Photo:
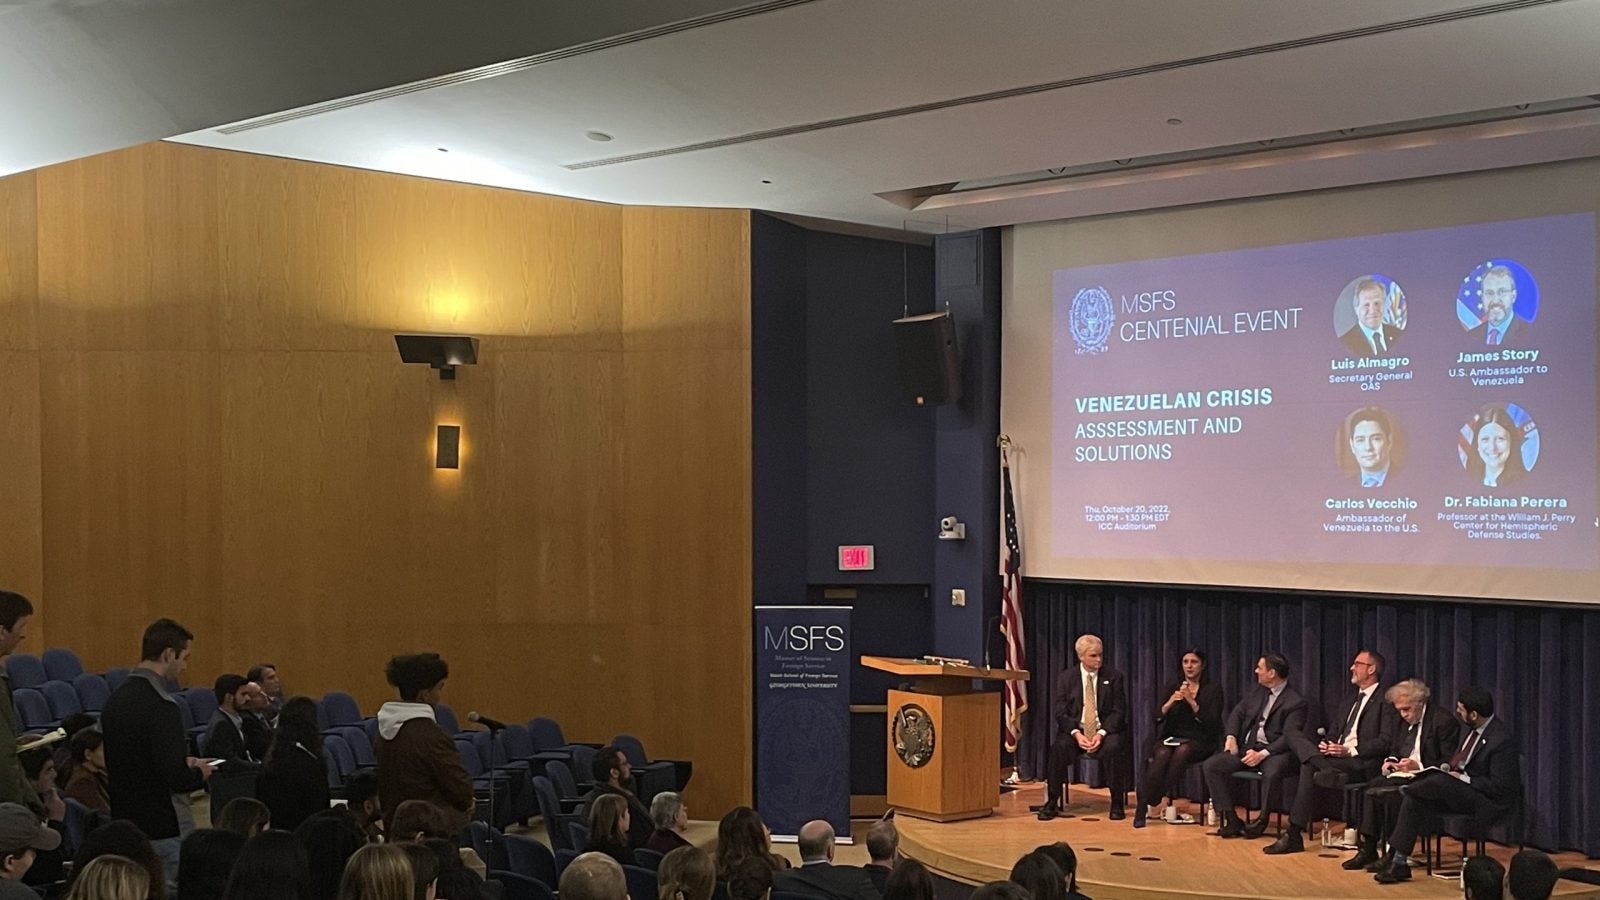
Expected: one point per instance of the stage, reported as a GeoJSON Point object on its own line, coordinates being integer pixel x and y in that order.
{"type": "Point", "coordinates": [1117, 861]}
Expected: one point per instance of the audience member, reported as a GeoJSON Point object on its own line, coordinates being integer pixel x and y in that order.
{"type": "Point", "coordinates": [416, 759]}
{"type": "Point", "coordinates": [456, 880]}
{"type": "Point", "coordinates": [224, 738]}
{"type": "Point", "coordinates": [419, 820]}
{"type": "Point", "coordinates": [244, 816]}
{"type": "Point", "coordinates": [330, 837]}
{"type": "Point", "coordinates": [148, 764]}
{"type": "Point", "coordinates": [1067, 861]}
{"type": "Point", "coordinates": [120, 837]}
{"type": "Point", "coordinates": [1425, 739]}
{"type": "Point", "coordinates": [593, 876]}
{"type": "Point", "coordinates": [424, 871]}
{"type": "Point", "coordinates": [1091, 715]}
{"type": "Point", "coordinates": [1037, 872]}
{"type": "Point", "coordinates": [111, 878]}
{"type": "Point", "coordinates": [1352, 751]}
{"type": "Point", "coordinates": [687, 873]}
{"type": "Point", "coordinates": [742, 835]}
{"type": "Point", "coordinates": [1482, 878]}
{"type": "Point", "coordinates": [1256, 737]}
{"type": "Point", "coordinates": [294, 781]}
{"type": "Point", "coordinates": [272, 866]}
{"type": "Point", "coordinates": [378, 872]}
{"type": "Point", "coordinates": [22, 838]}
{"type": "Point", "coordinates": [613, 774]}
{"type": "Point", "coordinates": [266, 675]}
{"type": "Point", "coordinates": [39, 766]}
{"type": "Point", "coordinates": [1188, 729]}
{"type": "Point", "coordinates": [909, 881]}
{"type": "Point", "coordinates": [608, 829]}
{"type": "Point", "coordinates": [1532, 876]}
{"type": "Point", "coordinates": [259, 720]}
{"type": "Point", "coordinates": [671, 819]}
{"type": "Point", "coordinates": [1000, 890]}
{"type": "Point", "coordinates": [361, 796]}
{"type": "Point", "coordinates": [1483, 778]}
{"type": "Point", "coordinates": [817, 875]}
{"type": "Point", "coordinates": [206, 860]}
{"type": "Point", "coordinates": [71, 725]}
{"type": "Point", "coordinates": [15, 613]}
{"type": "Point", "coordinates": [86, 775]}
{"type": "Point", "coordinates": [883, 851]}
{"type": "Point", "coordinates": [749, 879]}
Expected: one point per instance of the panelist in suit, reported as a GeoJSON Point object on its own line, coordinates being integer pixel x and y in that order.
{"type": "Point", "coordinates": [1257, 737]}
{"type": "Point", "coordinates": [1188, 729]}
{"type": "Point", "coordinates": [1500, 326]}
{"type": "Point", "coordinates": [817, 875]}
{"type": "Point", "coordinates": [1483, 778]}
{"type": "Point", "coordinates": [1350, 752]}
{"type": "Point", "coordinates": [1371, 336]}
{"type": "Point", "coordinates": [1424, 736]}
{"type": "Point", "coordinates": [1091, 720]}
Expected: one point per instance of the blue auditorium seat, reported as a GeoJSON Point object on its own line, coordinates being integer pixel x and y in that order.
{"type": "Point", "coordinates": [62, 698]}
{"type": "Point", "coordinates": [92, 692]}
{"type": "Point", "coordinates": [25, 671]}
{"type": "Point", "coordinates": [61, 664]}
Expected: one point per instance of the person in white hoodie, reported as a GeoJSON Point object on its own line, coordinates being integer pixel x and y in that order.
{"type": "Point", "coordinates": [416, 759]}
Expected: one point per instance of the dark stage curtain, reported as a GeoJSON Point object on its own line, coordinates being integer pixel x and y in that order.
{"type": "Point", "coordinates": [1542, 665]}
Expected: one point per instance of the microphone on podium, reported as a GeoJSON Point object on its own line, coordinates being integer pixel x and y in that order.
{"type": "Point", "coordinates": [485, 721]}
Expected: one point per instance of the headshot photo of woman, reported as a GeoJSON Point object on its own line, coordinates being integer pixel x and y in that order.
{"type": "Point", "coordinates": [1499, 450]}
{"type": "Point", "coordinates": [1370, 447]}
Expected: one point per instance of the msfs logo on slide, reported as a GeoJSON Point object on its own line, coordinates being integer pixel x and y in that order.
{"type": "Point", "coordinates": [1091, 318]}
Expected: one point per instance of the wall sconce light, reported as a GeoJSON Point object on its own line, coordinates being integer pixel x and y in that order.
{"type": "Point", "coordinates": [441, 351]}
{"type": "Point", "coordinates": [447, 452]}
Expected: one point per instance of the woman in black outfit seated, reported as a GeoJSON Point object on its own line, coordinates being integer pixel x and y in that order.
{"type": "Point", "coordinates": [1188, 729]}
{"type": "Point", "coordinates": [608, 828]}
{"type": "Point", "coordinates": [294, 781]}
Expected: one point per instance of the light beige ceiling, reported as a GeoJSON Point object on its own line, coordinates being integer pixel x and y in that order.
{"type": "Point", "coordinates": [866, 110]}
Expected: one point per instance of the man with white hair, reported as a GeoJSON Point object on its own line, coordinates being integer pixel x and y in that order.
{"type": "Point", "coordinates": [594, 876]}
{"type": "Point", "coordinates": [1424, 735]}
{"type": "Point", "coordinates": [1091, 720]}
{"type": "Point", "coordinates": [817, 875]}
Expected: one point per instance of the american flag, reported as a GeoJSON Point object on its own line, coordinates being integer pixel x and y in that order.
{"type": "Point", "coordinates": [1016, 695]}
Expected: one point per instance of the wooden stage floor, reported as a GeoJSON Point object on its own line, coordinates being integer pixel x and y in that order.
{"type": "Point", "coordinates": [1117, 861]}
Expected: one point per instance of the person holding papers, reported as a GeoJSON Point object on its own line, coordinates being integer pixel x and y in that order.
{"type": "Point", "coordinates": [1425, 736]}
{"type": "Point", "coordinates": [1482, 778]}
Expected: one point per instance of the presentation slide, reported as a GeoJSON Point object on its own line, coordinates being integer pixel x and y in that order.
{"type": "Point", "coordinates": [1408, 411]}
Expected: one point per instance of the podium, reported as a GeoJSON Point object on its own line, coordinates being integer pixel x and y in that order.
{"type": "Point", "coordinates": [944, 739]}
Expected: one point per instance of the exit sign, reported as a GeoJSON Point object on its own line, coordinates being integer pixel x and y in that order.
{"type": "Point", "coordinates": [855, 558]}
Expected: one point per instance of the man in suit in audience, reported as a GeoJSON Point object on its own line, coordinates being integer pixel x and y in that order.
{"type": "Point", "coordinates": [1257, 737]}
{"type": "Point", "coordinates": [15, 786]}
{"type": "Point", "coordinates": [1350, 752]}
{"type": "Point", "coordinates": [613, 774]}
{"type": "Point", "coordinates": [225, 737]}
{"type": "Point", "coordinates": [1091, 720]}
{"type": "Point", "coordinates": [817, 875]}
{"type": "Point", "coordinates": [266, 675]}
{"type": "Point", "coordinates": [148, 766]}
{"type": "Point", "coordinates": [1483, 778]}
{"type": "Point", "coordinates": [1424, 736]}
{"type": "Point", "coordinates": [257, 730]}
{"type": "Point", "coordinates": [883, 848]}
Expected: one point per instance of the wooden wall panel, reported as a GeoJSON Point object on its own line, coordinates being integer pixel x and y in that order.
{"type": "Point", "coordinates": [19, 263]}
{"type": "Point", "coordinates": [21, 526]}
{"type": "Point", "coordinates": [226, 435]}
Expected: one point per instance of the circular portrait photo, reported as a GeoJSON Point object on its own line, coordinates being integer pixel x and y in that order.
{"type": "Point", "coordinates": [1496, 302]}
{"type": "Point", "coordinates": [1369, 316]}
{"type": "Point", "coordinates": [1371, 447]}
{"type": "Point", "coordinates": [1499, 445]}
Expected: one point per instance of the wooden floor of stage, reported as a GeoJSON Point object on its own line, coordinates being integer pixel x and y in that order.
{"type": "Point", "coordinates": [1117, 861]}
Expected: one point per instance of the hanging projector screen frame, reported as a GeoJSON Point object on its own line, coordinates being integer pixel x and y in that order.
{"type": "Point", "coordinates": [1033, 253]}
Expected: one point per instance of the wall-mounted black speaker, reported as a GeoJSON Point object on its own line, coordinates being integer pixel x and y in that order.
{"type": "Point", "coordinates": [930, 361]}
{"type": "Point", "coordinates": [442, 351]}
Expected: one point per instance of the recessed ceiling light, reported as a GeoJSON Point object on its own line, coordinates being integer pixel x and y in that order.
{"type": "Point", "coordinates": [444, 149]}
{"type": "Point", "coordinates": [1174, 121]}
{"type": "Point", "coordinates": [766, 181]}
{"type": "Point", "coordinates": [599, 137]}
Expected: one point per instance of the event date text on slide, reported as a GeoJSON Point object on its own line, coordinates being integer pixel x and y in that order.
{"type": "Point", "coordinates": [1124, 517]}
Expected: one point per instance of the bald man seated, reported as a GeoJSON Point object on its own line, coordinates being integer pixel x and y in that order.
{"type": "Point", "coordinates": [817, 875]}
{"type": "Point", "coordinates": [594, 876]}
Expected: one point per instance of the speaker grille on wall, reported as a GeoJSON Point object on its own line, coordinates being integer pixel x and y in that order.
{"type": "Point", "coordinates": [930, 362]}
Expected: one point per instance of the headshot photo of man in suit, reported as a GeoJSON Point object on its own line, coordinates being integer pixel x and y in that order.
{"type": "Point", "coordinates": [1257, 737]}
{"type": "Point", "coordinates": [1092, 719]}
{"type": "Point", "coordinates": [1370, 447]}
{"type": "Point", "coordinates": [1497, 301]}
{"type": "Point", "coordinates": [1380, 318]}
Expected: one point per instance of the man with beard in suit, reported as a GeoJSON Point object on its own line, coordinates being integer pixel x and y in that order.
{"type": "Point", "coordinates": [1091, 720]}
{"type": "Point", "coordinates": [1350, 752]}
{"type": "Point", "coordinates": [1257, 737]}
{"type": "Point", "coordinates": [1483, 778]}
{"type": "Point", "coordinates": [1500, 325]}
{"type": "Point", "coordinates": [1425, 735]}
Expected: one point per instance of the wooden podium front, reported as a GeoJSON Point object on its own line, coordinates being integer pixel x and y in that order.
{"type": "Point", "coordinates": [944, 739]}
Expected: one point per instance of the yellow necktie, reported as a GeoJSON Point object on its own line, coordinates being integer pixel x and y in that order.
{"type": "Point", "coordinates": [1091, 707]}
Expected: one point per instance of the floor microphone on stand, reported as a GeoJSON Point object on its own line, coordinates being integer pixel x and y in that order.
{"type": "Point", "coordinates": [485, 721]}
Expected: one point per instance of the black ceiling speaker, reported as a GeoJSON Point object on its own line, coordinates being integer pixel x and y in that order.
{"type": "Point", "coordinates": [930, 362]}
{"type": "Point", "coordinates": [441, 351]}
